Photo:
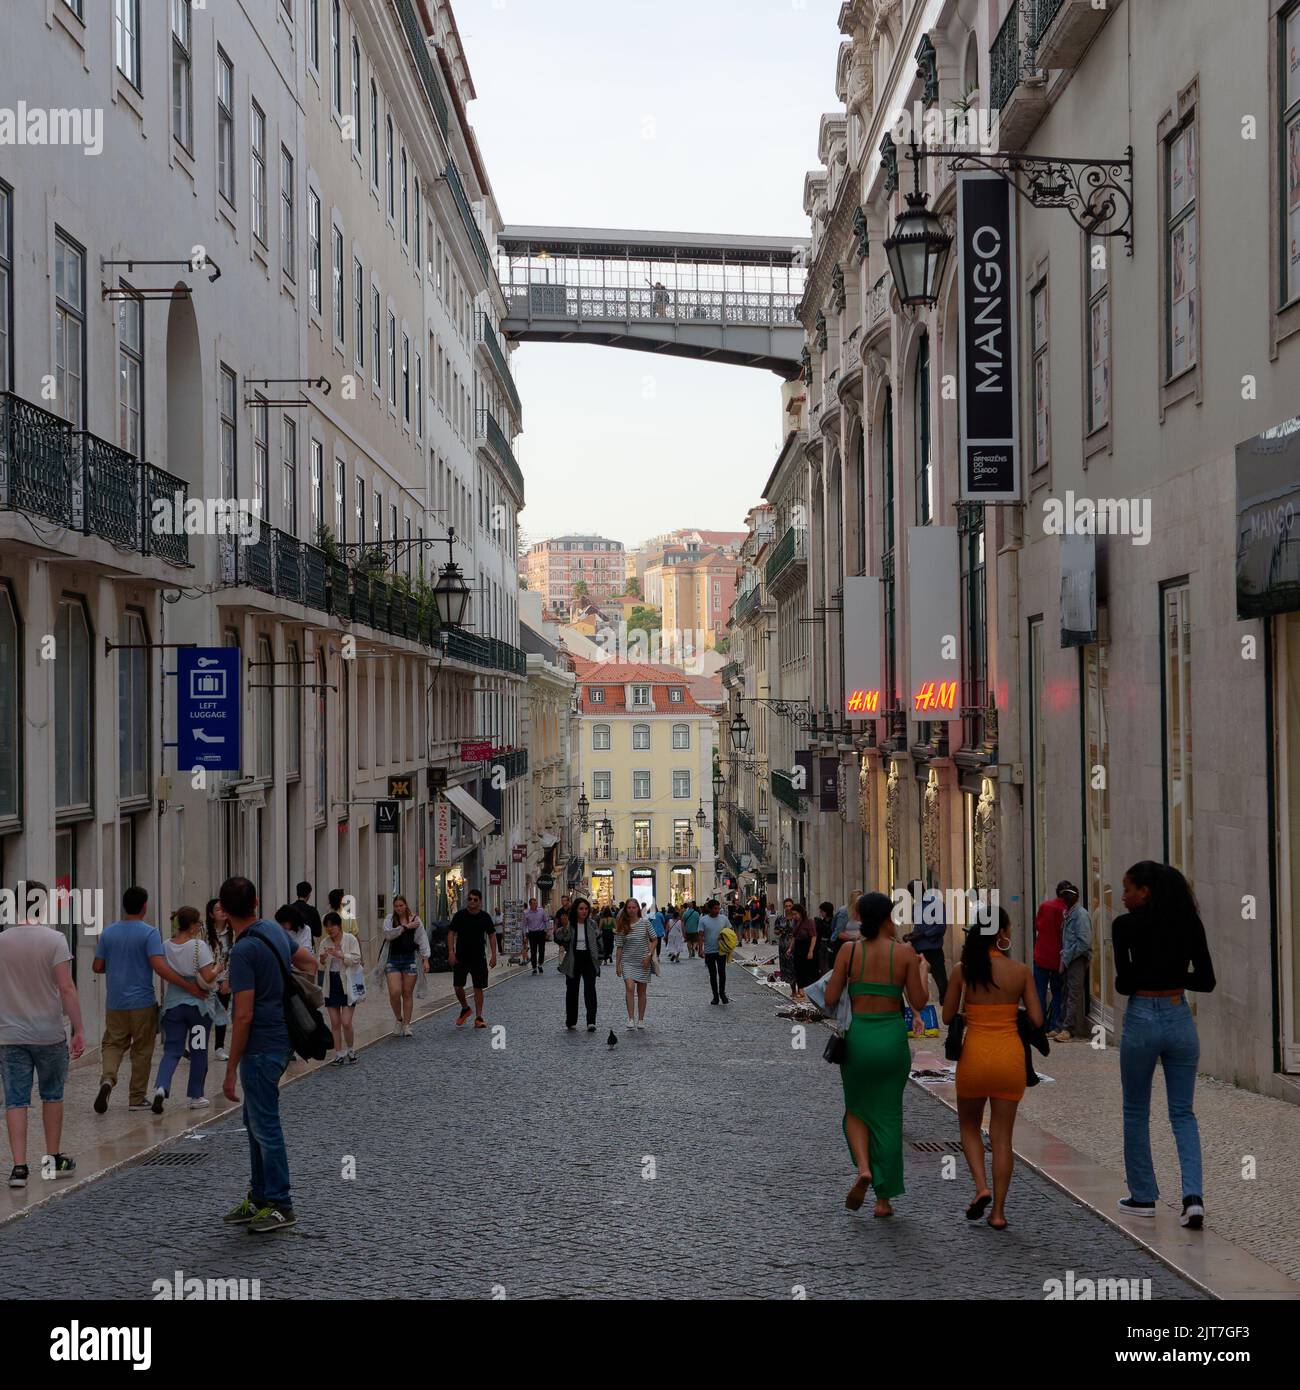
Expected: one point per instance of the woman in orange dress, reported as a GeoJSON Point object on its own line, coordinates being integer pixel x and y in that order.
{"type": "Point", "coordinates": [992, 1065]}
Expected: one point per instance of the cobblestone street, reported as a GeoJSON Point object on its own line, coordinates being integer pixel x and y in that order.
{"type": "Point", "coordinates": [526, 1168]}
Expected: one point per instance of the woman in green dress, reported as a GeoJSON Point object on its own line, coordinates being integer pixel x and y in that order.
{"type": "Point", "coordinates": [876, 970]}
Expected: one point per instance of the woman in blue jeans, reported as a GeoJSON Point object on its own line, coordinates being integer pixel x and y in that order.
{"type": "Point", "coordinates": [186, 1023]}
{"type": "Point", "coordinates": [1160, 953]}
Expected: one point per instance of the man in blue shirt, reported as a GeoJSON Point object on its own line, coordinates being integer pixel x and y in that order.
{"type": "Point", "coordinates": [260, 1051]}
{"type": "Point", "coordinates": [660, 929]}
{"type": "Point", "coordinates": [712, 923]}
{"type": "Point", "coordinates": [130, 953]}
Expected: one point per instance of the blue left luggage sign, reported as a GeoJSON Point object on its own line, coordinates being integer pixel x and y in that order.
{"type": "Point", "coordinates": [207, 719]}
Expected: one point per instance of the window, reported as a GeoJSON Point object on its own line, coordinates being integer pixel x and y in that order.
{"type": "Point", "coordinates": [970, 528]}
{"type": "Point", "coordinates": [392, 358]}
{"type": "Point", "coordinates": [888, 584]}
{"type": "Point", "coordinates": [340, 501]}
{"type": "Point", "coordinates": [417, 223]}
{"type": "Point", "coordinates": [1289, 150]}
{"type": "Point", "coordinates": [1176, 684]}
{"type": "Point", "coordinates": [682, 836]}
{"type": "Point", "coordinates": [11, 706]}
{"type": "Point", "coordinates": [406, 378]}
{"type": "Point", "coordinates": [375, 331]}
{"type": "Point", "coordinates": [419, 396]}
{"type": "Point", "coordinates": [70, 329]}
{"type": "Point", "coordinates": [313, 250]}
{"type": "Point", "coordinates": [261, 459]}
{"type": "Point", "coordinates": [377, 515]}
{"type": "Point", "coordinates": [597, 695]}
{"type": "Point", "coordinates": [126, 39]}
{"type": "Point", "coordinates": [1097, 327]}
{"type": "Point", "coordinates": [921, 418]}
{"type": "Point", "coordinates": [293, 708]}
{"type": "Point", "coordinates": [6, 288]}
{"type": "Point", "coordinates": [288, 236]}
{"type": "Point", "coordinates": [641, 837]}
{"type": "Point", "coordinates": [73, 706]}
{"type": "Point", "coordinates": [133, 711]}
{"type": "Point", "coordinates": [264, 709]}
{"type": "Point", "coordinates": [405, 199]}
{"type": "Point", "coordinates": [313, 33]}
{"type": "Point", "coordinates": [356, 98]}
{"type": "Point", "coordinates": [374, 134]}
{"type": "Point", "coordinates": [361, 509]}
{"type": "Point", "coordinates": [675, 695]}
{"type": "Point", "coordinates": [225, 128]}
{"type": "Point", "coordinates": [681, 785]}
{"type": "Point", "coordinates": [602, 786]}
{"type": "Point", "coordinates": [359, 308]}
{"type": "Point", "coordinates": [317, 488]}
{"type": "Point", "coordinates": [75, 7]}
{"type": "Point", "coordinates": [389, 182]}
{"type": "Point", "coordinates": [1037, 762]}
{"type": "Point", "coordinates": [640, 786]}
{"type": "Point", "coordinates": [229, 433]}
{"type": "Point", "coordinates": [640, 694]}
{"type": "Point", "coordinates": [182, 75]}
{"type": "Point", "coordinates": [600, 738]}
{"type": "Point", "coordinates": [336, 57]}
{"type": "Point", "coordinates": [681, 735]}
{"type": "Point", "coordinates": [1041, 382]}
{"type": "Point", "coordinates": [130, 376]}
{"type": "Point", "coordinates": [336, 265]}
{"type": "Point", "coordinates": [322, 741]}
{"type": "Point", "coordinates": [641, 737]}
{"type": "Point", "coordinates": [257, 143]}
{"type": "Point", "coordinates": [1181, 184]}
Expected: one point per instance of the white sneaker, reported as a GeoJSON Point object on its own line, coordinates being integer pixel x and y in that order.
{"type": "Point", "coordinates": [222, 1055]}
{"type": "Point", "coordinates": [642, 1024]}
{"type": "Point", "coordinates": [200, 1103]}
{"type": "Point", "coordinates": [408, 1031]}
{"type": "Point", "coordinates": [397, 1028]}
{"type": "Point", "coordinates": [631, 1025]}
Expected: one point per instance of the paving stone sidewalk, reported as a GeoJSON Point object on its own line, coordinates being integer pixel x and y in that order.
{"type": "Point", "coordinates": [699, 1158]}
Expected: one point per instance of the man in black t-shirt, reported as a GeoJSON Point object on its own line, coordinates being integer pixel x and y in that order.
{"type": "Point", "coordinates": [307, 912]}
{"type": "Point", "coordinates": [471, 933]}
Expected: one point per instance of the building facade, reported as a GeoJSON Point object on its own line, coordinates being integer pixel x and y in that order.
{"type": "Point", "coordinates": [645, 762]}
{"type": "Point", "coordinates": [312, 159]}
{"type": "Point", "coordinates": [552, 567]}
{"type": "Point", "coordinates": [1162, 726]}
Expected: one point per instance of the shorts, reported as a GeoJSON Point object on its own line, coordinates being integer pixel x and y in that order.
{"type": "Point", "coordinates": [474, 969]}
{"type": "Point", "coordinates": [337, 997]}
{"type": "Point", "coordinates": [18, 1061]}
{"type": "Point", "coordinates": [400, 967]}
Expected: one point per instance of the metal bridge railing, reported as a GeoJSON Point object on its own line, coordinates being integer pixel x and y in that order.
{"type": "Point", "coordinates": [748, 308]}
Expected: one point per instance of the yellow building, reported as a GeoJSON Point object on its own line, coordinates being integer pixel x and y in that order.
{"type": "Point", "coordinates": [646, 764]}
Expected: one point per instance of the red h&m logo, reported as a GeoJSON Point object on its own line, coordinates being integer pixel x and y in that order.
{"type": "Point", "coordinates": [863, 702]}
{"type": "Point", "coordinates": [935, 695]}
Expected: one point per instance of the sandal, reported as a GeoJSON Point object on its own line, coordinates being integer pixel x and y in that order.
{"type": "Point", "coordinates": [977, 1207]}
{"type": "Point", "coordinates": [857, 1194]}
{"type": "Point", "coordinates": [464, 1014]}
{"type": "Point", "coordinates": [480, 1023]}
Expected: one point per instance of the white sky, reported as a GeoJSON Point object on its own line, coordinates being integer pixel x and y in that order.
{"type": "Point", "coordinates": [674, 115]}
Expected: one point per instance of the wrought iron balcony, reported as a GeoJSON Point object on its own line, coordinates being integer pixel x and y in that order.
{"type": "Point", "coordinates": [789, 557]}
{"type": "Point", "coordinates": [744, 820]}
{"type": "Point", "coordinates": [783, 789]}
{"type": "Point", "coordinates": [878, 301]}
{"type": "Point", "coordinates": [1004, 59]}
{"type": "Point", "coordinates": [643, 854]}
{"type": "Point", "coordinates": [472, 229]}
{"type": "Point", "coordinates": [748, 604]}
{"type": "Point", "coordinates": [487, 336]}
{"type": "Point", "coordinates": [489, 652]}
{"type": "Point", "coordinates": [604, 854]}
{"type": "Point", "coordinates": [419, 45]}
{"type": "Point", "coordinates": [84, 483]}
{"type": "Point", "coordinates": [489, 430]}
{"type": "Point", "coordinates": [514, 763]}
{"type": "Point", "coordinates": [1041, 14]}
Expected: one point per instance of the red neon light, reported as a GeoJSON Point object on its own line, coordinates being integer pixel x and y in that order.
{"type": "Point", "coordinates": [863, 702]}
{"type": "Point", "coordinates": [935, 695]}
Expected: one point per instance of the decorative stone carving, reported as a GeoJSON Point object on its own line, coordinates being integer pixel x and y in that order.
{"type": "Point", "coordinates": [893, 819]}
{"type": "Point", "coordinates": [861, 79]}
{"type": "Point", "coordinates": [861, 232]}
{"type": "Point", "coordinates": [805, 358]}
{"type": "Point", "coordinates": [927, 69]}
{"type": "Point", "coordinates": [822, 336]}
{"type": "Point", "coordinates": [838, 292]}
{"type": "Point", "coordinates": [931, 855]}
{"type": "Point", "coordinates": [889, 158]}
{"type": "Point", "coordinates": [866, 805]}
{"type": "Point", "coordinates": [885, 11]}
{"type": "Point", "coordinates": [986, 837]}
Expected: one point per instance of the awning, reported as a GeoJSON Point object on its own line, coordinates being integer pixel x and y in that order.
{"type": "Point", "coordinates": [477, 816]}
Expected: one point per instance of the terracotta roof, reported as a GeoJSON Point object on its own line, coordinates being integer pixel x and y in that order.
{"type": "Point", "coordinates": [614, 676]}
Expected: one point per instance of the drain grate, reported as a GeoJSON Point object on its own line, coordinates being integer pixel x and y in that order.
{"type": "Point", "coordinates": [178, 1159]}
{"type": "Point", "coordinates": [939, 1146]}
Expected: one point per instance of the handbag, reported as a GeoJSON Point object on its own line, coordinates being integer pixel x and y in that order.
{"type": "Point", "coordinates": [835, 1049]}
{"type": "Point", "coordinates": [309, 1034]}
{"type": "Point", "coordinates": [956, 1032]}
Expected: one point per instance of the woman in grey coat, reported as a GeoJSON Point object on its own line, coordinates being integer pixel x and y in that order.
{"type": "Point", "coordinates": [633, 960]}
{"type": "Point", "coordinates": [580, 937]}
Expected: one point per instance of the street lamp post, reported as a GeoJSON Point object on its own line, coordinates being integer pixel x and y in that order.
{"type": "Point", "coordinates": [919, 247]}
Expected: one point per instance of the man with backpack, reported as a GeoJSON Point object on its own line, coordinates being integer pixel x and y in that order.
{"type": "Point", "coordinates": [260, 1050]}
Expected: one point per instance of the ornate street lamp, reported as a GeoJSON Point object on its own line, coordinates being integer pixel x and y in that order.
{"type": "Point", "coordinates": [919, 247]}
{"type": "Point", "coordinates": [700, 818]}
{"type": "Point", "coordinates": [740, 734]}
{"type": "Point", "coordinates": [583, 805]}
{"type": "Point", "coordinates": [719, 785]}
{"type": "Point", "coordinates": [451, 592]}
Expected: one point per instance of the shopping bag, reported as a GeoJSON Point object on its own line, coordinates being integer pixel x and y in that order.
{"type": "Point", "coordinates": [930, 1021]}
{"type": "Point", "coordinates": [816, 995]}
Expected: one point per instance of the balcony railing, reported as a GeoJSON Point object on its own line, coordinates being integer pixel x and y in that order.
{"type": "Point", "coordinates": [514, 763]}
{"type": "Point", "coordinates": [747, 604]}
{"type": "Point", "coordinates": [1005, 60]}
{"type": "Point", "coordinates": [82, 482]}
{"type": "Point", "coordinates": [790, 550]}
{"type": "Point", "coordinates": [488, 337]}
{"type": "Point", "coordinates": [415, 36]}
{"type": "Point", "coordinates": [491, 431]}
{"type": "Point", "coordinates": [472, 228]}
{"type": "Point", "coordinates": [643, 854]}
{"type": "Point", "coordinates": [745, 820]}
{"type": "Point", "coordinates": [1041, 14]}
{"type": "Point", "coordinates": [489, 652]}
{"type": "Point", "coordinates": [783, 789]}
{"type": "Point", "coordinates": [629, 303]}
{"type": "Point", "coordinates": [878, 301]}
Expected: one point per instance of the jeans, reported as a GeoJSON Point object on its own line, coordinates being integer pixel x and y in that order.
{"type": "Point", "coordinates": [1044, 980]}
{"type": "Point", "coordinates": [1164, 1031]}
{"type": "Point", "coordinates": [537, 949]}
{"type": "Point", "coordinates": [938, 970]}
{"type": "Point", "coordinates": [584, 972]}
{"type": "Point", "coordinates": [178, 1038]}
{"type": "Point", "coordinates": [1074, 996]}
{"type": "Point", "coordinates": [717, 974]}
{"type": "Point", "coordinates": [259, 1074]}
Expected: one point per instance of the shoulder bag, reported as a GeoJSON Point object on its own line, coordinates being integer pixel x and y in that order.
{"type": "Point", "coordinates": [952, 1044]}
{"type": "Point", "coordinates": [836, 1047]}
{"type": "Point", "coordinates": [309, 1034]}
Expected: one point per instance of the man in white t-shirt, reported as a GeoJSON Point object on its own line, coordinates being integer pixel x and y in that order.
{"type": "Point", "coordinates": [36, 991]}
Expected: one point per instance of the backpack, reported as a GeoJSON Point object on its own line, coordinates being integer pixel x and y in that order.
{"type": "Point", "coordinates": [309, 1034]}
